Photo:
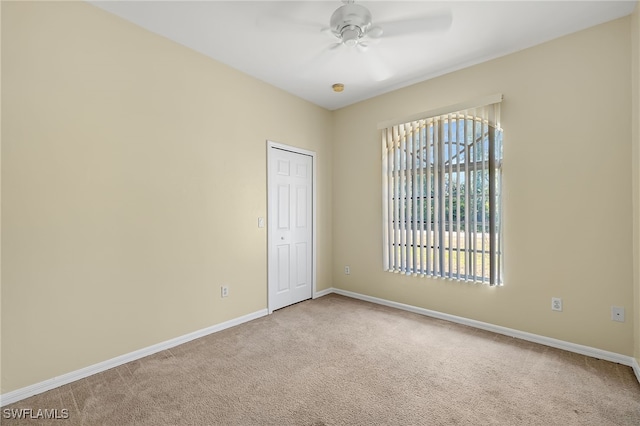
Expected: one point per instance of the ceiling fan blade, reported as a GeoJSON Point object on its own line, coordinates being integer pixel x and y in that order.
{"type": "Point", "coordinates": [375, 32]}
{"type": "Point", "coordinates": [427, 24]}
{"type": "Point", "coordinates": [368, 41]}
{"type": "Point", "coordinates": [327, 30]}
{"type": "Point", "coordinates": [276, 23]}
{"type": "Point", "coordinates": [288, 17]}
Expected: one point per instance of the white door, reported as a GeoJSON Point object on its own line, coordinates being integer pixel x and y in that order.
{"type": "Point", "coordinates": [290, 227]}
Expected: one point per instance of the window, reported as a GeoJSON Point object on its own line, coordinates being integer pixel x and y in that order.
{"type": "Point", "coordinates": [442, 195]}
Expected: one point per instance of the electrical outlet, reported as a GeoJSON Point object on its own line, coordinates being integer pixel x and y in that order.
{"type": "Point", "coordinates": [617, 313]}
{"type": "Point", "coordinates": [556, 304]}
{"type": "Point", "coordinates": [347, 270]}
{"type": "Point", "coordinates": [224, 291]}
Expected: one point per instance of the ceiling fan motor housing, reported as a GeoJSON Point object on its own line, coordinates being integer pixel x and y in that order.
{"type": "Point", "coordinates": [350, 22]}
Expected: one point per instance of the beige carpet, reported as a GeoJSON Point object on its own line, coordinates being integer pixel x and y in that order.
{"type": "Point", "coordinates": [338, 361]}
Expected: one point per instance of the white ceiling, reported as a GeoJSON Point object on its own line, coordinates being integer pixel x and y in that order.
{"type": "Point", "coordinates": [282, 43]}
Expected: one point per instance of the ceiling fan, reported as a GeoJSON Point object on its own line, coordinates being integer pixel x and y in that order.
{"type": "Point", "coordinates": [353, 25]}
{"type": "Point", "coordinates": [352, 29]}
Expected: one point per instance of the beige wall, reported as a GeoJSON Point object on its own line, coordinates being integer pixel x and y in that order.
{"type": "Point", "coordinates": [567, 180]}
{"type": "Point", "coordinates": [635, 110]}
{"type": "Point", "coordinates": [133, 174]}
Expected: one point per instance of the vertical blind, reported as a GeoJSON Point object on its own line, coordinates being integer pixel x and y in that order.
{"type": "Point", "coordinates": [442, 195]}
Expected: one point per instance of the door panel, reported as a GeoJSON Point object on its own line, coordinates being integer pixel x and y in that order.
{"type": "Point", "coordinates": [301, 267]}
{"type": "Point", "coordinates": [283, 206]}
{"type": "Point", "coordinates": [301, 207]}
{"type": "Point", "coordinates": [290, 228]}
{"type": "Point", "coordinates": [284, 260]}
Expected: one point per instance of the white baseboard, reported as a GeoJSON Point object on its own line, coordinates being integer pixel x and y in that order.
{"type": "Point", "coordinates": [323, 292]}
{"type": "Point", "coordinates": [26, 392]}
{"type": "Point", "coordinates": [548, 341]}
{"type": "Point", "coordinates": [636, 368]}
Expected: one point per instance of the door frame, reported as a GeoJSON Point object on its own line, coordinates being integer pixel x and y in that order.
{"type": "Point", "coordinates": [271, 145]}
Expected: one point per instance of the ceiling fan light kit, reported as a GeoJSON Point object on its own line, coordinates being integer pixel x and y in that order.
{"type": "Point", "coordinates": [350, 35]}
{"type": "Point", "coordinates": [350, 23]}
